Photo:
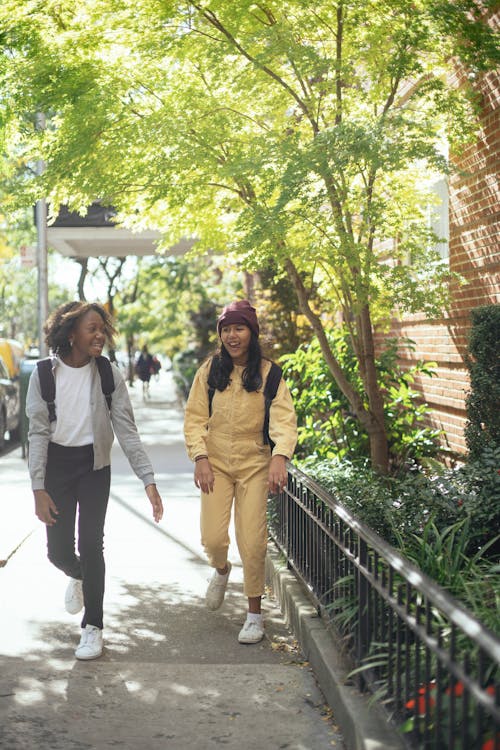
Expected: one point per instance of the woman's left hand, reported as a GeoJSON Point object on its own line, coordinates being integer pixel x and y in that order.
{"type": "Point", "coordinates": [155, 500]}
{"type": "Point", "coordinates": [278, 474]}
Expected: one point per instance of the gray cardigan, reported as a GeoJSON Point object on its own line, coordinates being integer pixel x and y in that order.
{"type": "Point", "coordinates": [120, 419]}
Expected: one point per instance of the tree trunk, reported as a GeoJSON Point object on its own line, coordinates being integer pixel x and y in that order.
{"type": "Point", "coordinates": [379, 449]}
{"type": "Point", "coordinates": [83, 262]}
{"type": "Point", "coordinates": [372, 418]}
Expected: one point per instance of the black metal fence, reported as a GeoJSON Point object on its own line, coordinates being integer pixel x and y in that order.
{"type": "Point", "coordinates": [431, 663]}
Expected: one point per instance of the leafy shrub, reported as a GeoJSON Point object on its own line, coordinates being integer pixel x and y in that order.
{"type": "Point", "coordinates": [483, 427]}
{"type": "Point", "coordinates": [358, 488]}
{"type": "Point", "coordinates": [482, 594]}
{"type": "Point", "coordinates": [477, 487]}
{"type": "Point", "coordinates": [327, 427]}
{"type": "Point", "coordinates": [443, 553]}
{"type": "Point", "coordinates": [400, 506]}
{"type": "Point", "coordinates": [417, 498]}
{"type": "Point", "coordinates": [392, 506]}
{"type": "Point", "coordinates": [410, 438]}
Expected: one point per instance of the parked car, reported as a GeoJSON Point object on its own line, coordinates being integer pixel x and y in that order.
{"type": "Point", "coordinates": [10, 404]}
{"type": "Point", "coordinates": [12, 353]}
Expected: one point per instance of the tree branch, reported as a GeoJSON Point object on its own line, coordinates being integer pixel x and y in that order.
{"type": "Point", "coordinates": [335, 368]}
{"type": "Point", "coordinates": [214, 21]}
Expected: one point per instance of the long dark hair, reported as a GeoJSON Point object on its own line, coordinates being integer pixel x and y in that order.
{"type": "Point", "coordinates": [61, 322]}
{"type": "Point", "coordinates": [220, 374]}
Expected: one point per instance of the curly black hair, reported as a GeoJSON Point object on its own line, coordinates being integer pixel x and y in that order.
{"type": "Point", "coordinates": [62, 320]}
{"type": "Point", "coordinates": [220, 373]}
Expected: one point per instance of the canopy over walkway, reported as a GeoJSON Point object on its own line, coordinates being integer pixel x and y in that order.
{"type": "Point", "coordinates": [97, 234]}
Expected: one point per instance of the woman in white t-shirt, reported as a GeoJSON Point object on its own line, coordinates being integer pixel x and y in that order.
{"type": "Point", "coordinates": [69, 457]}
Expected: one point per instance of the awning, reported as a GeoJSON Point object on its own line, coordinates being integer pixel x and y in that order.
{"type": "Point", "coordinates": [96, 235]}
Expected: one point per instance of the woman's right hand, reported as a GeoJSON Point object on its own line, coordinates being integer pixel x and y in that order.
{"type": "Point", "coordinates": [45, 508]}
{"type": "Point", "coordinates": [203, 475]}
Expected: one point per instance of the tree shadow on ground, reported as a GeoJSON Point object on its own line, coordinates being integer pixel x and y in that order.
{"type": "Point", "coordinates": [172, 676]}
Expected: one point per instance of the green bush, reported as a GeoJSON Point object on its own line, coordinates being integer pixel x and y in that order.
{"type": "Point", "coordinates": [417, 498]}
{"type": "Point", "coordinates": [327, 427]}
{"type": "Point", "coordinates": [358, 488]}
{"type": "Point", "coordinates": [477, 487]}
{"type": "Point", "coordinates": [483, 361]}
{"type": "Point", "coordinates": [402, 505]}
{"type": "Point", "coordinates": [392, 506]}
{"type": "Point", "coordinates": [445, 556]}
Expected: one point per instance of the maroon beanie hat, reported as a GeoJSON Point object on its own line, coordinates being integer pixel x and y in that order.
{"type": "Point", "coordinates": [240, 311]}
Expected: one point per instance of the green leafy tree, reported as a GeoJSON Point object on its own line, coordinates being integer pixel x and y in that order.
{"type": "Point", "coordinates": [285, 131]}
{"type": "Point", "coordinates": [327, 427]}
{"type": "Point", "coordinates": [172, 303]}
{"type": "Point", "coordinates": [282, 326]}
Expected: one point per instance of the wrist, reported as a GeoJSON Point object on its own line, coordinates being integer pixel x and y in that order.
{"type": "Point", "coordinates": [200, 458]}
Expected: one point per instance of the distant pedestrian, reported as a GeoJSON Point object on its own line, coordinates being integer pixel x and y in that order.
{"type": "Point", "coordinates": [232, 460]}
{"type": "Point", "coordinates": [69, 457]}
{"type": "Point", "coordinates": [144, 369]}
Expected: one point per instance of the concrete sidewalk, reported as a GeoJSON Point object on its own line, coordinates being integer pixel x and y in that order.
{"type": "Point", "coordinates": [173, 674]}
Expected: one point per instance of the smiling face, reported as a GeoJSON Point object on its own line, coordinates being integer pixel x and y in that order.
{"type": "Point", "coordinates": [236, 339]}
{"type": "Point", "coordinates": [87, 338]}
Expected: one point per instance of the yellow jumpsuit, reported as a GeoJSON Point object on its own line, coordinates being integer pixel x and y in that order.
{"type": "Point", "coordinates": [232, 439]}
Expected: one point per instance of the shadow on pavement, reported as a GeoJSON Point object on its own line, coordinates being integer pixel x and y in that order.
{"type": "Point", "coordinates": [156, 686]}
{"type": "Point", "coordinates": [173, 675]}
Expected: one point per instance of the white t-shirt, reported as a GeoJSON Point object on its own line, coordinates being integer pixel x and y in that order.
{"type": "Point", "coordinates": [73, 425]}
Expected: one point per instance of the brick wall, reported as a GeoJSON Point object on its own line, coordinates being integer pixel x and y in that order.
{"type": "Point", "coordinates": [474, 215]}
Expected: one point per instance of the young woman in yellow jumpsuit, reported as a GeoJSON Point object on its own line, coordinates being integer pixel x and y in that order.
{"type": "Point", "coordinates": [232, 462]}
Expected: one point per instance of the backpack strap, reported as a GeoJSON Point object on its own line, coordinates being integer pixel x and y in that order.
{"type": "Point", "coordinates": [107, 380]}
{"type": "Point", "coordinates": [47, 385]}
{"type": "Point", "coordinates": [270, 390]}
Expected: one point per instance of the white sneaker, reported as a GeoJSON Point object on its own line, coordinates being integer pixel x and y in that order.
{"type": "Point", "coordinates": [217, 589]}
{"type": "Point", "coordinates": [90, 646]}
{"type": "Point", "coordinates": [83, 638]}
{"type": "Point", "coordinates": [73, 599]}
{"type": "Point", "coordinates": [251, 632]}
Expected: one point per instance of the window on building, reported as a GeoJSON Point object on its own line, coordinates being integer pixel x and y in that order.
{"type": "Point", "coordinates": [438, 218]}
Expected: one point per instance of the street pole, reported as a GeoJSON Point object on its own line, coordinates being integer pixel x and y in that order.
{"type": "Point", "coordinates": [41, 248]}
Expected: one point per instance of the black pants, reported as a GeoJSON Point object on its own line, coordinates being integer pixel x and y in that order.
{"type": "Point", "coordinates": [71, 481]}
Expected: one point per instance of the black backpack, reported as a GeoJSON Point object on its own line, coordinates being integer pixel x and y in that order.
{"type": "Point", "coordinates": [48, 383]}
{"type": "Point", "coordinates": [270, 391]}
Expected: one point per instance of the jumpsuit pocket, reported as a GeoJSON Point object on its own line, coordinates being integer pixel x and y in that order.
{"type": "Point", "coordinates": [263, 450]}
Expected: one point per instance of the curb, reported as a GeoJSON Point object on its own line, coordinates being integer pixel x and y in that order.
{"type": "Point", "coordinates": [364, 727]}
